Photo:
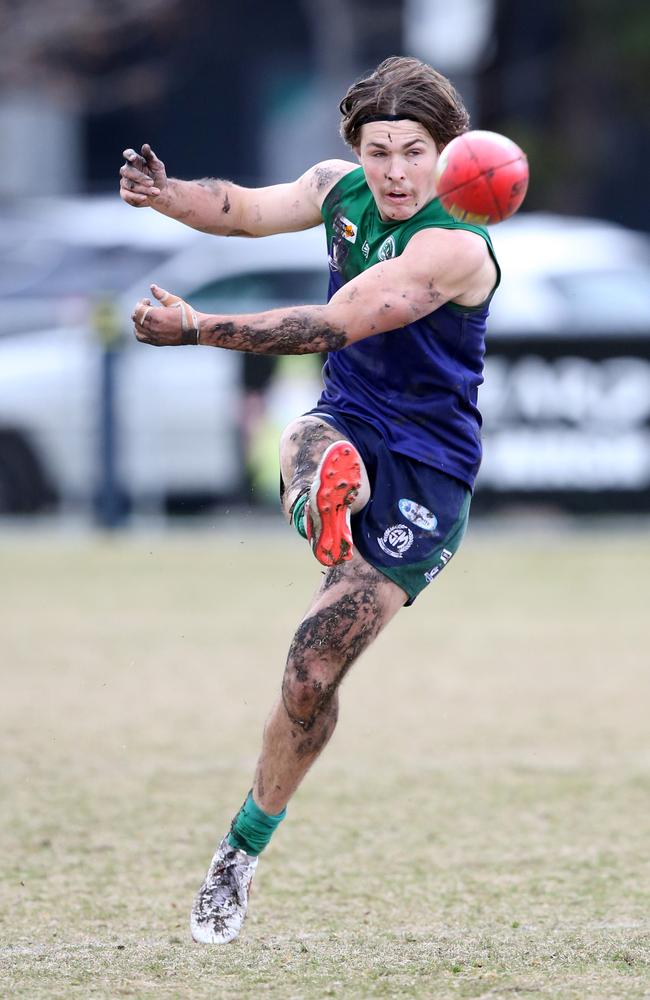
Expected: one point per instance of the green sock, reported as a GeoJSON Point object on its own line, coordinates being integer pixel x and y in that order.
{"type": "Point", "coordinates": [252, 828]}
{"type": "Point", "coordinates": [298, 514]}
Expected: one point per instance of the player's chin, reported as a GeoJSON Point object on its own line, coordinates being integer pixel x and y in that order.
{"type": "Point", "coordinates": [400, 210]}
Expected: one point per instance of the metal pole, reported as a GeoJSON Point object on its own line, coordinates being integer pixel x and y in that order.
{"type": "Point", "coordinates": [110, 502]}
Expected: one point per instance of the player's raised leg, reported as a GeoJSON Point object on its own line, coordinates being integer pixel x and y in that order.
{"type": "Point", "coordinates": [352, 605]}
{"type": "Point", "coordinates": [324, 482]}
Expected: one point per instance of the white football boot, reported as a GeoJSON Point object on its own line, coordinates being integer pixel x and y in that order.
{"type": "Point", "coordinates": [220, 906]}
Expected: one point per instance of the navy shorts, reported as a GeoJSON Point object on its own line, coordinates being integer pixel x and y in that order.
{"type": "Point", "coordinates": [416, 516]}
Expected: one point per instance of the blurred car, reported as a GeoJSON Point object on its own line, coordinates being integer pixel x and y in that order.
{"type": "Point", "coordinates": [62, 260]}
{"type": "Point", "coordinates": [58, 254]}
{"type": "Point", "coordinates": [178, 416]}
{"type": "Point", "coordinates": [564, 275]}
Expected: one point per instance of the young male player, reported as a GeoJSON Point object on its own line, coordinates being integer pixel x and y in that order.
{"type": "Point", "coordinates": [378, 477]}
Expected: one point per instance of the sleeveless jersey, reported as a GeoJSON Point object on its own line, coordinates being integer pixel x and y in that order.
{"type": "Point", "coordinates": [417, 385]}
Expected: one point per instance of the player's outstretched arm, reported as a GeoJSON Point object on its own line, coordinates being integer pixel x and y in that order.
{"type": "Point", "coordinates": [436, 267]}
{"type": "Point", "coordinates": [223, 208]}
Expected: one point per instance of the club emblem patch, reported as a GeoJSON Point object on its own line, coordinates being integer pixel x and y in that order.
{"type": "Point", "coordinates": [418, 514]}
{"type": "Point", "coordinates": [396, 540]}
{"type": "Point", "coordinates": [387, 249]}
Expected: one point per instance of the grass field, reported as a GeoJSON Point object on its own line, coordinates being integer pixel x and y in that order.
{"type": "Point", "coordinates": [479, 826]}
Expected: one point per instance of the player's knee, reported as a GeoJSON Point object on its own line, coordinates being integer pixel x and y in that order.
{"type": "Point", "coordinates": [307, 688]}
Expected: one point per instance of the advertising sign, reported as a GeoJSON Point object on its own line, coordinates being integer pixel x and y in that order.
{"type": "Point", "coordinates": [567, 422]}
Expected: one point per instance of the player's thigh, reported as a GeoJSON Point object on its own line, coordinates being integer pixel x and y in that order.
{"type": "Point", "coordinates": [302, 443]}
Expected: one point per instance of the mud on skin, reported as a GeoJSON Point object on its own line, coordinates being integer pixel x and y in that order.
{"type": "Point", "coordinates": [357, 569]}
{"type": "Point", "coordinates": [323, 649]}
{"type": "Point", "coordinates": [311, 744]}
{"type": "Point", "coordinates": [323, 176]}
{"type": "Point", "coordinates": [297, 334]}
{"type": "Point", "coordinates": [309, 444]}
{"type": "Point", "coordinates": [219, 187]}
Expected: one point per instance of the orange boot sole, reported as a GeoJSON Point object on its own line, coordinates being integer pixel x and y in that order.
{"type": "Point", "coordinates": [335, 488]}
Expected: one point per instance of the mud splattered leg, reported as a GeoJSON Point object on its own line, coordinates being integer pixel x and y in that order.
{"type": "Point", "coordinates": [301, 447]}
{"type": "Point", "coordinates": [353, 604]}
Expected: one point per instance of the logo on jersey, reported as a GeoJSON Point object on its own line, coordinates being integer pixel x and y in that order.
{"type": "Point", "coordinates": [344, 230]}
{"type": "Point", "coordinates": [365, 249]}
{"type": "Point", "coordinates": [387, 249]}
{"type": "Point", "coordinates": [396, 540]}
{"type": "Point", "coordinates": [348, 229]}
{"type": "Point", "coordinates": [418, 514]}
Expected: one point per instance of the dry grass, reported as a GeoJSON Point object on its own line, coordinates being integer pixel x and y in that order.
{"type": "Point", "coordinates": [478, 827]}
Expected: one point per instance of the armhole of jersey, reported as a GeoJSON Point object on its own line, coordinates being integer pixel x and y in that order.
{"type": "Point", "coordinates": [325, 206]}
{"type": "Point", "coordinates": [468, 229]}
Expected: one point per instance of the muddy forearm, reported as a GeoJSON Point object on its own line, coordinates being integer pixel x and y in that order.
{"type": "Point", "coordinates": [302, 330]}
{"type": "Point", "coordinates": [208, 205]}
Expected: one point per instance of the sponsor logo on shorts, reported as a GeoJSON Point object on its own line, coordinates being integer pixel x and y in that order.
{"type": "Point", "coordinates": [396, 540]}
{"type": "Point", "coordinates": [387, 249]}
{"type": "Point", "coordinates": [418, 514]}
{"type": "Point", "coordinates": [445, 556]}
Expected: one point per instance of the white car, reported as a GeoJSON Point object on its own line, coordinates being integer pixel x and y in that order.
{"type": "Point", "coordinates": [178, 411]}
{"type": "Point", "coordinates": [564, 275]}
{"type": "Point", "coordinates": [64, 265]}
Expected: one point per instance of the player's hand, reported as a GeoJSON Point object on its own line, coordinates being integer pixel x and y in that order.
{"type": "Point", "coordinates": [171, 324]}
{"type": "Point", "coordinates": [142, 177]}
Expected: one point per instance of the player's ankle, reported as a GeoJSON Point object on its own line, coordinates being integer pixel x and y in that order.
{"type": "Point", "coordinates": [252, 828]}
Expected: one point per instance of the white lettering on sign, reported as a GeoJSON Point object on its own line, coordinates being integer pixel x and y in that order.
{"type": "Point", "coordinates": [558, 457]}
{"type": "Point", "coordinates": [614, 393]}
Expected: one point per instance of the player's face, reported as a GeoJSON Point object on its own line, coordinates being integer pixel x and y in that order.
{"type": "Point", "coordinates": [398, 159]}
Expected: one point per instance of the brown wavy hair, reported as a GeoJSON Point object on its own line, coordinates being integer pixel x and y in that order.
{"type": "Point", "coordinates": [407, 87]}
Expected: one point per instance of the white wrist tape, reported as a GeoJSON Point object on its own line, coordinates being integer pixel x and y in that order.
{"type": "Point", "coordinates": [189, 319]}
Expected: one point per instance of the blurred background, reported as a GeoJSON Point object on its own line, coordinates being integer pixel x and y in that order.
{"type": "Point", "coordinates": [99, 428]}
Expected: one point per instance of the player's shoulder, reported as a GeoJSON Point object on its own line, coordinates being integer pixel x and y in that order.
{"type": "Point", "coordinates": [324, 175]}
{"type": "Point", "coordinates": [459, 245]}
{"type": "Point", "coordinates": [460, 260]}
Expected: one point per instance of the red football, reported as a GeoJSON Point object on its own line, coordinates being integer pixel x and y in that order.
{"type": "Point", "coordinates": [482, 177]}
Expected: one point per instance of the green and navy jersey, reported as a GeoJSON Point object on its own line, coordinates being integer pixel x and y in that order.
{"type": "Point", "coordinates": [417, 385]}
